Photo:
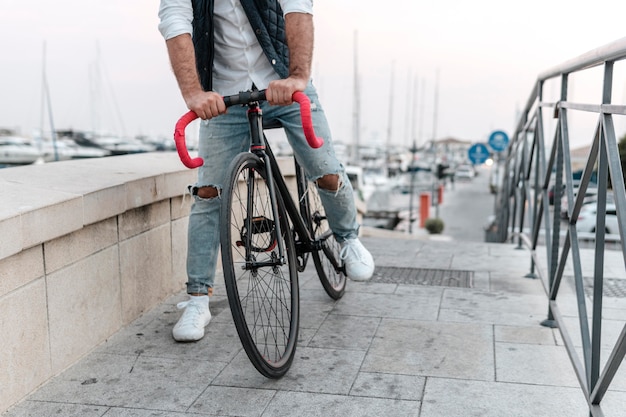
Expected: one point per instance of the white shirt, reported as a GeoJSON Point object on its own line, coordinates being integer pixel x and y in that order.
{"type": "Point", "coordinates": [239, 59]}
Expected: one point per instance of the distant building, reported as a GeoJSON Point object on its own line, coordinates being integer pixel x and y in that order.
{"type": "Point", "coordinates": [452, 150]}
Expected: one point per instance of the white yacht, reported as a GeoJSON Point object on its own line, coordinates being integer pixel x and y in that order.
{"type": "Point", "coordinates": [15, 150]}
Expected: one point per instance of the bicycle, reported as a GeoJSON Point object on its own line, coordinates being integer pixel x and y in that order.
{"type": "Point", "coordinates": [266, 239]}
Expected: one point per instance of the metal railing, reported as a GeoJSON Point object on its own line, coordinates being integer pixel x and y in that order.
{"type": "Point", "coordinates": [534, 163]}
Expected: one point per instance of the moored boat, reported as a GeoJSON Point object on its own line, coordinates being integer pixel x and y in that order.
{"type": "Point", "coordinates": [15, 150]}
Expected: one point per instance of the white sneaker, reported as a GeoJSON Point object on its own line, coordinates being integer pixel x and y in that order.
{"type": "Point", "coordinates": [357, 260]}
{"type": "Point", "coordinates": [190, 326]}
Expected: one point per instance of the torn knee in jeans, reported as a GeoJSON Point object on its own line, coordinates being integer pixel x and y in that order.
{"type": "Point", "coordinates": [329, 182]}
{"type": "Point", "coordinates": [206, 191]}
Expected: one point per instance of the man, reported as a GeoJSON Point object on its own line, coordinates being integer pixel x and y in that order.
{"type": "Point", "coordinates": [222, 47]}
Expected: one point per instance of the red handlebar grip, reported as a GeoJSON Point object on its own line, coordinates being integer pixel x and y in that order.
{"type": "Point", "coordinates": [179, 140]}
{"type": "Point", "coordinates": [307, 123]}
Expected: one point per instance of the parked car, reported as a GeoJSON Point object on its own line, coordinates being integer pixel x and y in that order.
{"type": "Point", "coordinates": [589, 197]}
{"type": "Point", "coordinates": [464, 172]}
{"type": "Point", "coordinates": [552, 194]}
{"type": "Point", "coordinates": [610, 198]}
{"type": "Point", "coordinates": [587, 219]}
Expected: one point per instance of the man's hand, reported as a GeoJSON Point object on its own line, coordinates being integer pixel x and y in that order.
{"type": "Point", "coordinates": [280, 92]}
{"type": "Point", "coordinates": [206, 104]}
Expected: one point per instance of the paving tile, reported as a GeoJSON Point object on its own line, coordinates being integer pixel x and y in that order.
{"type": "Point", "coordinates": [611, 330]}
{"type": "Point", "coordinates": [482, 280]}
{"type": "Point", "coordinates": [313, 370]}
{"type": "Point", "coordinates": [40, 409]}
{"type": "Point", "coordinates": [492, 307]}
{"type": "Point", "coordinates": [401, 306]}
{"type": "Point", "coordinates": [289, 404]}
{"type": "Point", "coordinates": [543, 365]}
{"type": "Point", "coordinates": [305, 335]}
{"type": "Point", "coordinates": [495, 301]}
{"type": "Point", "coordinates": [429, 294]}
{"type": "Point", "coordinates": [393, 386]}
{"type": "Point", "coordinates": [454, 350]}
{"type": "Point", "coordinates": [131, 381]}
{"type": "Point", "coordinates": [516, 284]}
{"type": "Point", "coordinates": [491, 316]}
{"type": "Point", "coordinates": [345, 332]}
{"type": "Point", "coordinates": [220, 343]}
{"type": "Point", "coordinates": [614, 403]}
{"type": "Point", "coordinates": [134, 412]}
{"type": "Point", "coordinates": [538, 335]}
{"type": "Point", "coordinates": [372, 287]}
{"type": "Point", "coordinates": [458, 398]}
{"type": "Point", "coordinates": [313, 313]}
{"type": "Point", "coordinates": [229, 401]}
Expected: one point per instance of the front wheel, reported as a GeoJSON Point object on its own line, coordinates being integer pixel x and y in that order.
{"type": "Point", "coordinates": [327, 261]}
{"type": "Point", "coordinates": [260, 267]}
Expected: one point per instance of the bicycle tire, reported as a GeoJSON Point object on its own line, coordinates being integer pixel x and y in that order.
{"type": "Point", "coordinates": [327, 260]}
{"type": "Point", "coordinates": [263, 293]}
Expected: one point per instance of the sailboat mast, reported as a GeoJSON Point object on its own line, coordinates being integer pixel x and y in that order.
{"type": "Point", "coordinates": [414, 108]}
{"type": "Point", "coordinates": [48, 103]}
{"type": "Point", "coordinates": [420, 133]}
{"type": "Point", "coordinates": [356, 115]}
{"type": "Point", "coordinates": [436, 107]}
{"type": "Point", "coordinates": [390, 116]}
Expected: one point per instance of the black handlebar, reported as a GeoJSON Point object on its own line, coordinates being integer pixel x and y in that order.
{"type": "Point", "coordinates": [245, 97]}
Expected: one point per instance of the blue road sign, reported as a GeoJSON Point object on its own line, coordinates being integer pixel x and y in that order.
{"type": "Point", "coordinates": [478, 153]}
{"type": "Point", "coordinates": [498, 140]}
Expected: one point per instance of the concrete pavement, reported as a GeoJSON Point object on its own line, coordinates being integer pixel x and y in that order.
{"type": "Point", "coordinates": [396, 346]}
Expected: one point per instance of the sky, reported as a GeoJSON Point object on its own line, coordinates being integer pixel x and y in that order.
{"type": "Point", "coordinates": [445, 68]}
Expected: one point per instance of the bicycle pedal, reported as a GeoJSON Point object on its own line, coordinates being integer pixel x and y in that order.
{"type": "Point", "coordinates": [259, 225]}
{"type": "Point", "coordinates": [262, 224]}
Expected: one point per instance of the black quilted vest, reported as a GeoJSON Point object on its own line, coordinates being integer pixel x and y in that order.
{"type": "Point", "coordinates": [266, 19]}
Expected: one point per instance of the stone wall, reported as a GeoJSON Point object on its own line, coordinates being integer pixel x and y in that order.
{"type": "Point", "coordinates": [85, 248]}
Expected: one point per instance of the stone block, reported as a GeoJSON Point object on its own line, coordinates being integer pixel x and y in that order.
{"type": "Point", "coordinates": [179, 252]}
{"type": "Point", "coordinates": [144, 218]}
{"type": "Point", "coordinates": [143, 191]}
{"type": "Point", "coordinates": [78, 245]}
{"type": "Point", "coordinates": [175, 184]}
{"type": "Point", "coordinates": [181, 206]}
{"type": "Point", "coordinates": [84, 305]}
{"type": "Point", "coordinates": [24, 343]}
{"type": "Point", "coordinates": [20, 269]}
{"type": "Point", "coordinates": [10, 235]}
{"type": "Point", "coordinates": [104, 203]}
{"type": "Point", "coordinates": [52, 221]}
{"type": "Point", "coordinates": [31, 214]}
{"type": "Point", "coordinates": [145, 265]}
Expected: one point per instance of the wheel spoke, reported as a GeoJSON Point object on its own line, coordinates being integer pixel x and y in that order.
{"type": "Point", "coordinates": [262, 288]}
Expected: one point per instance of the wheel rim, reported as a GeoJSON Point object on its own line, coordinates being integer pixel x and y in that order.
{"type": "Point", "coordinates": [263, 291]}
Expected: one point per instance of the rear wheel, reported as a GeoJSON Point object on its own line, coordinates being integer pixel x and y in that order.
{"type": "Point", "coordinates": [262, 284]}
{"type": "Point", "coordinates": [327, 260]}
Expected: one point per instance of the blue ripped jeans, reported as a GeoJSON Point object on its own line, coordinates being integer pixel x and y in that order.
{"type": "Point", "coordinates": [221, 139]}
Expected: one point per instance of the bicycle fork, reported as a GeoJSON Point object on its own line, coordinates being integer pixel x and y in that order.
{"type": "Point", "coordinates": [255, 225]}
